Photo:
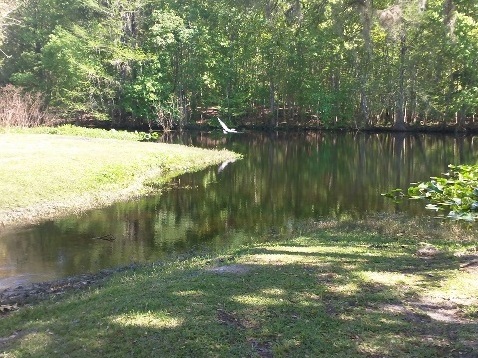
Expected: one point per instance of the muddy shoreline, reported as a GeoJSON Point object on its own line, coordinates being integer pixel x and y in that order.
{"type": "Point", "coordinates": [13, 298]}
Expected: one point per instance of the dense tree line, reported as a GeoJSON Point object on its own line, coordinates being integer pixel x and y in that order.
{"type": "Point", "coordinates": [352, 63]}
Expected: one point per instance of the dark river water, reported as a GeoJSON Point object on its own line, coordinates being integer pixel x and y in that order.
{"type": "Point", "coordinates": [284, 178]}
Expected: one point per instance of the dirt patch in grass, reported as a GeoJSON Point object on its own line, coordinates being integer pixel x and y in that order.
{"type": "Point", "coordinates": [229, 318]}
{"type": "Point", "coordinates": [469, 263]}
{"type": "Point", "coordinates": [233, 269]}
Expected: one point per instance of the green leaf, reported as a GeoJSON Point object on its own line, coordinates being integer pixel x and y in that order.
{"type": "Point", "coordinates": [457, 196]}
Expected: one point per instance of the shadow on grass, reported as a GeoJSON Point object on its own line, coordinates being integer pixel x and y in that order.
{"type": "Point", "coordinates": [365, 297]}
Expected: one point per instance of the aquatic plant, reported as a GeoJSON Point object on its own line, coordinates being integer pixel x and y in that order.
{"type": "Point", "coordinates": [454, 194]}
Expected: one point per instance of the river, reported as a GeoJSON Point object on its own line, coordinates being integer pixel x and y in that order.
{"type": "Point", "coordinates": [283, 179]}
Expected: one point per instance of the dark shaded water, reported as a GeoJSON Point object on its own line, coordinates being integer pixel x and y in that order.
{"type": "Point", "coordinates": [283, 179]}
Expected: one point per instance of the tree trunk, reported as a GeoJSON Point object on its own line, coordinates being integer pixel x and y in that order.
{"type": "Point", "coordinates": [399, 120]}
{"type": "Point", "coordinates": [272, 104]}
{"type": "Point", "coordinates": [366, 17]}
{"type": "Point", "coordinates": [449, 17]}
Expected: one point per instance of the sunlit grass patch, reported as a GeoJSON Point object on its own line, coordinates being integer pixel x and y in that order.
{"type": "Point", "coordinates": [34, 341]}
{"type": "Point", "coordinates": [148, 320]}
{"type": "Point", "coordinates": [344, 290]}
{"type": "Point", "coordinates": [456, 282]}
{"type": "Point", "coordinates": [273, 292]}
{"type": "Point", "coordinates": [389, 278]}
{"type": "Point", "coordinates": [258, 300]}
{"type": "Point", "coordinates": [470, 311]}
{"type": "Point", "coordinates": [387, 345]}
{"type": "Point", "coordinates": [312, 254]}
{"type": "Point", "coordinates": [190, 293]}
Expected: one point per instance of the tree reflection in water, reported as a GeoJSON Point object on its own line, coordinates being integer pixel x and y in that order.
{"type": "Point", "coordinates": [283, 179]}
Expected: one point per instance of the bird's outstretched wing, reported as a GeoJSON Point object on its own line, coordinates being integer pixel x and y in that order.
{"type": "Point", "coordinates": [223, 125]}
{"type": "Point", "coordinates": [225, 129]}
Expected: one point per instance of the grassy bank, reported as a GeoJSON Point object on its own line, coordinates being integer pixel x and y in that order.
{"type": "Point", "coordinates": [375, 288]}
{"type": "Point", "coordinates": [72, 169]}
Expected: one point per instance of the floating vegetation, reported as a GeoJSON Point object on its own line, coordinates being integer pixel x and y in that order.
{"type": "Point", "coordinates": [454, 195]}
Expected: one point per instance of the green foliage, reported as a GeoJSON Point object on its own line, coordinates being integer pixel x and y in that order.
{"type": "Point", "coordinates": [144, 92]}
{"type": "Point", "coordinates": [162, 62]}
{"type": "Point", "coordinates": [455, 193]}
{"type": "Point", "coordinates": [70, 130]}
{"type": "Point", "coordinates": [66, 74]}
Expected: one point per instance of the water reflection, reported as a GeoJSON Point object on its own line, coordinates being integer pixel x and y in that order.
{"type": "Point", "coordinates": [283, 178]}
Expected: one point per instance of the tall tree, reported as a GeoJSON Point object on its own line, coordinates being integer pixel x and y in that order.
{"type": "Point", "coordinates": [7, 7]}
{"type": "Point", "coordinates": [163, 62]}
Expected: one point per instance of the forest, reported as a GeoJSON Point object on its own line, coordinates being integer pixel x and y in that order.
{"type": "Point", "coordinates": [397, 64]}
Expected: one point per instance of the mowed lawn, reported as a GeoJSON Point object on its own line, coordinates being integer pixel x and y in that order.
{"type": "Point", "coordinates": [42, 173]}
{"type": "Point", "coordinates": [352, 289]}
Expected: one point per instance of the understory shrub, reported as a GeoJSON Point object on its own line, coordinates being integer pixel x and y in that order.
{"type": "Point", "coordinates": [19, 108]}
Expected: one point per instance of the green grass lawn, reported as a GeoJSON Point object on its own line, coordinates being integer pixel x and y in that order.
{"type": "Point", "coordinates": [45, 174]}
{"type": "Point", "coordinates": [376, 288]}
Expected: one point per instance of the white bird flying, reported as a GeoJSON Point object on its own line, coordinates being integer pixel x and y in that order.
{"type": "Point", "coordinates": [225, 129]}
